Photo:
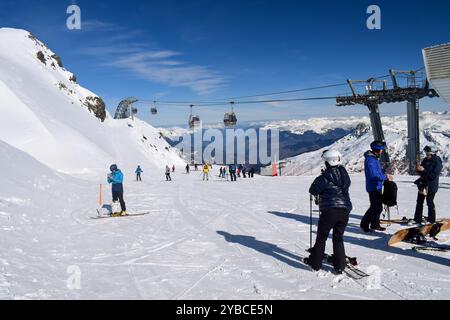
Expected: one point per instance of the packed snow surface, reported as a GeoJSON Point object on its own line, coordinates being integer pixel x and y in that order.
{"type": "Point", "coordinates": [200, 240]}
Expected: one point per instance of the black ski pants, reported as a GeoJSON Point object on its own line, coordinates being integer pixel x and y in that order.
{"type": "Point", "coordinates": [372, 217]}
{"type": "Point", "coordinates": [336, 220]}
{"type": "Point", "coordinates": [138, 177]}
{"type": "Point", "coordinates": [233, 176]}
{"type": "Point", "coordinates": [431, 207]}
{"type": "Point", "coordinates": [118, 196]}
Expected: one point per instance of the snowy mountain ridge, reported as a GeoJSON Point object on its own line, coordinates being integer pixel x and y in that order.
{"type": "Point", "coordinates": [47, 114]}
{"type": "Point", "coordinates": [434, 130]}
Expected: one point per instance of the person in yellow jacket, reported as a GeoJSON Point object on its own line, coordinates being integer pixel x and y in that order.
{"type": "Point", "coordinates": [206, 170]}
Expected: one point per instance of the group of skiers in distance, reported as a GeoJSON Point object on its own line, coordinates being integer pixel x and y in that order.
{"type": "Point", "coordinates": [331, 190]}
{"type": "Point", "coordinates": [226, 172]}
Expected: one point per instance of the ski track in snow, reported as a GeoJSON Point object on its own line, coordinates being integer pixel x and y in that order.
{"type": "Point", "coordinates": [209, 240]}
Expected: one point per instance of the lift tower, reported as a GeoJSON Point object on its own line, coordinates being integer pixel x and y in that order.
{"type": "Point", "coordinates": [372, 98]}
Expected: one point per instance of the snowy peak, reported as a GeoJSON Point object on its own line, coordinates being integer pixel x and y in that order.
{"type": "Point", "coordinates": [22, 50]}
{"type": "Point", "coordinates": [47, 114]}
{"type": "Point", "coordinates": [434, 130]}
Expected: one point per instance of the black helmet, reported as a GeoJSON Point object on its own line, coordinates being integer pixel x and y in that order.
{"type": "Point", "coordinates": [430, 149]}
{"type": "Point", "coordinates": [113, 167]}
{"type": "Point", "coordinates": [378, 145]}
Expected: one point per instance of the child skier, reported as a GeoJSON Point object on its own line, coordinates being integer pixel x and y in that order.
{"type": "Point", "coordinates": [334, 203]}
{"type": "Point", "coordinates": [138, 173]}
{"type": "Point", "coordinates": [115, 178]}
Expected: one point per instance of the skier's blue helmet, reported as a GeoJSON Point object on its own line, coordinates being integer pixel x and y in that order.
{"type": "Point", "coordinates": [378, 145]}
{"type": "Point", "coordinates": [113, 167]}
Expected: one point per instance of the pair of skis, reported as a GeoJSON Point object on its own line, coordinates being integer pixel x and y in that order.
{"type": "Point", "coordinates": [100, 216]}
{"type": "Point", "coordinates": [351, 267]}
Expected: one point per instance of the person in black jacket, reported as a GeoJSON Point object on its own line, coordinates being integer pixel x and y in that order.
{"type": "Point", "coordinates": [332, 187]}
{"type": "Point", "coordinates": [428, 184]}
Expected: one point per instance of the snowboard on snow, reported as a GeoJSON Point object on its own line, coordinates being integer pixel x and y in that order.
{"type": "Point", "coordinates": [415, 234]}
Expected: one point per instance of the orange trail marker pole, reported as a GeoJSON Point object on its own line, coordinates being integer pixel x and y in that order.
{"type": "Point", "coordinates": [100, 201]}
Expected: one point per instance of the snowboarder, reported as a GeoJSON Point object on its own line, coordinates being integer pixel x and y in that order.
{"type": "Point", "coordinates": [221, 172]}
{"type": "Point", "coordinates": [428, 184]}
{"type": "Point", "coordinates": [232, 169]}
{"type": "Point", "coordinates": [205, 172]}
{"type": "Point", "coordinates": [115, 178]}
{"type": "Point", "coordinates": [333, 188]}
{"type": "Point", "coordinates": [196, 167]}
{"type": "Point", "coordinates": [138, 173]}
{"type": "Point", "coordinates": [188, 169]}
{"type": "Point", "coordinates": [168, 178]}
{"type": "Point", "coordinates": [375, 178]}
{"type": "Point", "coordinates": [173, 168]}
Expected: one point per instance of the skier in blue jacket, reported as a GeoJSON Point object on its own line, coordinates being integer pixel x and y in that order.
{"type": "Point", "coordinates": [375, 178]}
{"type": "Point", "coordinates": [138, 172]}
{"type": "Point", "coordinates": [115, 178]}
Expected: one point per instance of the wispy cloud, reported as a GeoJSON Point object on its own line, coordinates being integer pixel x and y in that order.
{"type": "Point", "coordinates": [99, 26]}
{"type": "Point", "coordinates": [123, 50]}
{"type": "Point", "coordinates": [158, 66]}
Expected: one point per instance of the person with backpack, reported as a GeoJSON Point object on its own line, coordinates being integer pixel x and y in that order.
{"type": "Point", "coordinates": [206, 172]}
{"type": "Point", "coordinates": [375, 178]}
{"type": "Point", "coordinates": [138, 173]}
{"type": "Point", "coordinates": [232, 169]}
{"type": "Point", "coordinates": [332, 188]}
{"type": "Point", "coordinates": [168, 177]}
{"type": "Point", "coordinates": [428, 184]}
{"type": "Point", "coordinates": [115, 178]}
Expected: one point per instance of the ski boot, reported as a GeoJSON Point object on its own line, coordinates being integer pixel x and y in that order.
{"type": "Point", "coordinates": [307, 261]}
{"type": "Point", "coordinates": [123, 214]}
{"type": "Point", "coordinates": [379, 229]}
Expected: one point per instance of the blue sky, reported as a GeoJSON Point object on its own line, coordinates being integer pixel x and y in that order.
{"type": "Point", "coordinates": [204, 50]}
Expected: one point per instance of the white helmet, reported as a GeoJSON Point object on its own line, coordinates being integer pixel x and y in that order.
{"type": "Point", "coordinates": [332, 157]}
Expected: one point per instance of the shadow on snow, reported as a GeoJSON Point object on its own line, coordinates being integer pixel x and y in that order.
{"type": "Point", "coordinates": [265, 248]}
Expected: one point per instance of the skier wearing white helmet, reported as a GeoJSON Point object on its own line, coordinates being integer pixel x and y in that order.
{"type": "Point", "coordinates": [332, 186]}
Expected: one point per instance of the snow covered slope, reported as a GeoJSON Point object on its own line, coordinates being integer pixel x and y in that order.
{"type": "Point", "coordinates": [45, 113]}
{"type": "Point", "coordinates": [435, 130]}
{"type": "Point", "coordinates": [196, 243]}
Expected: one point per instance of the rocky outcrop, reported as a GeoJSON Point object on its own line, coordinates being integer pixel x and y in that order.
{"type": "Point", "coordinates": [97, 106]}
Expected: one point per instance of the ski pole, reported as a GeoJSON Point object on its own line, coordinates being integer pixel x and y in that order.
{"type": "Point", "coordinates": [310, 220]}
